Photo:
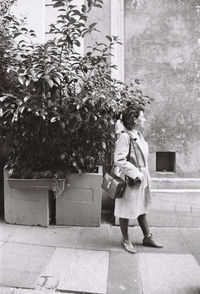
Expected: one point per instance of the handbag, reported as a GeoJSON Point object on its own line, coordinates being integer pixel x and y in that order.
{"type": "Point", "coordinates": [115, 186]}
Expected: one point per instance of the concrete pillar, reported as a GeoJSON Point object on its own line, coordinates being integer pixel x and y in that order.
{"type": "Point", "coordinates": [117, 29]}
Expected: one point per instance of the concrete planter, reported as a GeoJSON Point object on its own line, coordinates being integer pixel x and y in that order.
{"type": "Point", "coordinates": [80, 204]}
{"type": "Point", "coordinates": [26, 201]}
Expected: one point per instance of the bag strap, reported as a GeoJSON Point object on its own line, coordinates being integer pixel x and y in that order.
{"type": "Point", "coordinates": [137, 162]}
{"type": "Point", "coordinates": [128, 157]}
{"type": "Point", "coordinates": [129, 152]}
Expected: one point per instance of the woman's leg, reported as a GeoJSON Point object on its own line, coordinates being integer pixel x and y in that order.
{"type": "Point", "coordinates": [128, 246]}
{"type": "Point", "coordinates": [148, 238]}
{"type": "Point", "coordinates": [124, 228]}
{"type": "Point", "coordinates": [143, 222]}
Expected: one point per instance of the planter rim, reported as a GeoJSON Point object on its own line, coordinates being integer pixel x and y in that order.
{"type": "Point", "coordinates": [39, 183]}
{"type": "Point", "coordinates": [30, 183]}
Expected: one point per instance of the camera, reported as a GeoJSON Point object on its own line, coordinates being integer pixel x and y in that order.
{"type": "Point", "coordinates": [133, 182]}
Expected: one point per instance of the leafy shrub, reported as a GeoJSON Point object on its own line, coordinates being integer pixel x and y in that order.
{"type": "Point", "coordinates": [58, 108]}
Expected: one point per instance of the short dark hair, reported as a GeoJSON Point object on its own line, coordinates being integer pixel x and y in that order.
{"type": "Point", "coordinates": [129, 115]}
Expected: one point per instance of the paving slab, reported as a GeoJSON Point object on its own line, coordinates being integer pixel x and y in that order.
{"type": "Point", "coordinates": [6, 231]}
{"type": "Point", "coordinates": [29, 234]}
{"type": "Point", "coordinates": [5, 290]}
{"type": "Point", "coordinates": [115, 239]}
{"type": "Point", "coordinates": [25, 291]}
{"type": "Point", "coordinates": [171, 238]}
{"type": "Point", "coordinates": [94, 238]}
{"type": "Point", "coordinates": [123, 275]}
{"type": "Point", "coordinates": [61, 237]}
{"type": "Point", "coordinates": [79, 270]}
{"type": "Point", "coordinates": [192, 238]}
{"type": "Point", "coordinates": [2, 242]}
{"type": "Point", "coordinates": [197, 257]}
{"type": "Point", "coordinates": [169, 273]}
{"type": "Point", "coordinates": [22, 264]}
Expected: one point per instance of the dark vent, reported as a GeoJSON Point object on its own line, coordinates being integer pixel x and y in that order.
{"type": "Point", "coordinates": [165, 161]}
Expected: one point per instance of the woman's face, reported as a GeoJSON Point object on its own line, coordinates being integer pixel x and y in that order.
{"type": "Point", "coordinates": [140, 121]}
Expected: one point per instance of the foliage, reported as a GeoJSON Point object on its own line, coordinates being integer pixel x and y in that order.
{"type": "Point", "coordinates": [58, 107]}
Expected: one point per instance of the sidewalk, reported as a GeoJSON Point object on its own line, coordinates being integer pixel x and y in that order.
{"type": "Point", "coordinates": [36, 260]}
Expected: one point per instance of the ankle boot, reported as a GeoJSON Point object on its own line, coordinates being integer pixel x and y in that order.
{"type": "Point", "coordinates": [150, 242]}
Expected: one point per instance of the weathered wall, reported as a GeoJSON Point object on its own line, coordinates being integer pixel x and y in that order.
{"type": "Point", "coordinates": [160, 48]}
{"type": "Point", "coordinates": [102, 18]}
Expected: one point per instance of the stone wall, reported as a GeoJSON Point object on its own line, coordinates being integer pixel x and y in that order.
{"type": "Point", "coordinates": [103, 19]}
{"type": "Point", "coordinates": [161, 49]}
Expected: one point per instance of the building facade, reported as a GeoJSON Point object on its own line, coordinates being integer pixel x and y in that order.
{"type": "Point", "coordinates": [161, 48]}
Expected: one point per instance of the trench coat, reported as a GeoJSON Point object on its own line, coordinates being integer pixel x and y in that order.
{"type": "Point", "coordinates": [136, 200]}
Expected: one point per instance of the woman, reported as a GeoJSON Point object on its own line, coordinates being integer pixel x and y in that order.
{"type": "Point", "coordinates": [137, 198]}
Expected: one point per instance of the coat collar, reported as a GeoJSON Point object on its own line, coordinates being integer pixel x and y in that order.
{"type": "Point", "coordinates": [135, 135]}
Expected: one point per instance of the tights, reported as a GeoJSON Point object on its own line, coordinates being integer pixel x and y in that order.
{"type": "Point", "coordinates": [142, 220]}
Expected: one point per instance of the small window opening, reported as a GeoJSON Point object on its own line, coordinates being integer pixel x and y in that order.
{"type": "Point", "coordinates": [165, 161]}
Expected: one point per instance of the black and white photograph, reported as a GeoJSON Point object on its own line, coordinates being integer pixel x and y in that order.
{"type": "Point", "coordinates": [100, 146]}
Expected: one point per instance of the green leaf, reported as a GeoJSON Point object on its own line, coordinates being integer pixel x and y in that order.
{"type": "Point", "coordinates": [91, 27]}
{"type": "Point", "coordinates": [24, 29]}
{"type": "Point", "coordinates": [43, 116]}
{"type": "Point", "coordinates": [83, 17]}
{"type": "Point", "coordinates": [17, 35]}
{"type": "Point", "coordinates": [98, 5]}
{"type": "Point", "coordinates": [76, 12]}
{"type": "Point", "coordinates": [109, 38]}
{"type": "Point", "coordinates": [53, 119]}
{"type": "Point", "coordinates": [57, 80]}
{"type": "Point", "coordinates": [21, 79]}
{"type": "Point", "coordinates": [72, 6]}
{"type": "Point", "coordinates": [26, 99]}
{"type": "Point", "coordinates": [77, 43]}
{"type": "Point", "coordinates": [104, 145]}
{"type": "Point", "coordinates": [83, 8]}
{"type": "Point", "coordinates": [59, 4]}
{"type": "Point", "coordinates": [21, 109]}
{"type": "Point", "coordinates": [72, 20]}
{"type": "Point", "coordinates": [89, 3]}
{"type": "Point", "coordinates": [27, 82]}
{"type": "Point", "coordinates": [79, 118]}
{"type": "Point", "coordinates": [49, 81]}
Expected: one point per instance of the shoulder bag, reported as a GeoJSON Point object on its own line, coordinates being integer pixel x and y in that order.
{"type": "Point", "coordinates": [115, 186]}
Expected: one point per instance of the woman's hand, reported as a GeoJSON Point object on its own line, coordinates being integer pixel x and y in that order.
{"type": "Point", "coordinates": [141, 177]}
